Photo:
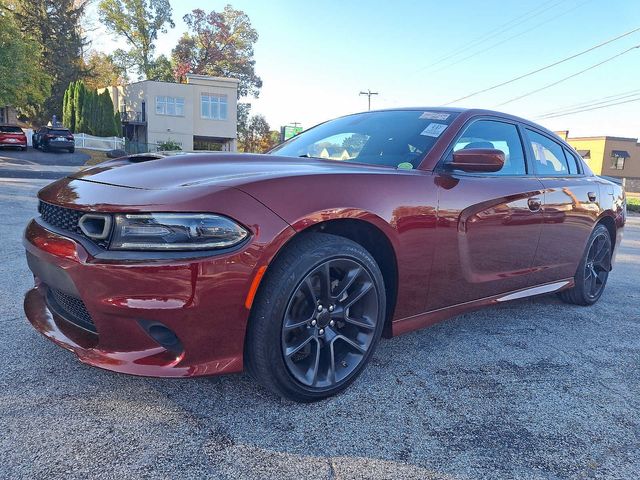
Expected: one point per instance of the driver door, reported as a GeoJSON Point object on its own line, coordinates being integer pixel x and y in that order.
{"type": "Point", "coordinates": [488, 224]}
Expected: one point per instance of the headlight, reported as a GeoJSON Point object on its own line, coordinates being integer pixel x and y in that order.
{"type": "Point", "coordinates": [175, 231]}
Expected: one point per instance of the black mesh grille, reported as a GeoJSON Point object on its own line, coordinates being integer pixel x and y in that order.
{"type": "Point", "coordinates": [65, 219]}
{"type": "Point", "coordinates": [70, 308]}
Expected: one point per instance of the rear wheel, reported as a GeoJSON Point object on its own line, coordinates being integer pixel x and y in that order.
{"type": "Point", "coordinates": [72, 150]}
{"type": "Point", "coordinates": [593, 270]}
{"type": "Point", "coordinates": [317, 318]}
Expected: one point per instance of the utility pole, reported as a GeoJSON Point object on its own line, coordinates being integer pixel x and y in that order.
{"type": "Point", "coordinates": [368, 93]}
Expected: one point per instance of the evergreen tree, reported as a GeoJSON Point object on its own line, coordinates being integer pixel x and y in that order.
{"type": "Point", "coordinates": [55, 26]}
{"type": "Point", "coordinates": [68, 108]}
{"type": "Point", "coordinates": [79, 97]}
{"type": "Point", "coordinates": [108, 121]}
{"type": "Point", "coordinates": [84, 125]}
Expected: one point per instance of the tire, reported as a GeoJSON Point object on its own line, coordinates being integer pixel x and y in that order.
{"type": "Point", "coordinates": [72, 150]}
{"type": "Point", "coordinates": [24, 149]}
{"type": "Point", "coordinates": [335, 347]}
{"type": "Point", "coordinates": [593, 271]}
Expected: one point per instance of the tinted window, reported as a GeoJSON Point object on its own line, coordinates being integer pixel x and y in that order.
{"type": "Point", "coordinates": [396, 138]}
{"type": "Point", "coordinates": [10, 129]}
{"type": "Point", "coordinates": [60, 131]}
{"type": "Point", "coordinates": [498, 135]}
{"type": "Point", "coordinates": [548, 155]}
{"type": "Point", "coordinates": [572, 161]}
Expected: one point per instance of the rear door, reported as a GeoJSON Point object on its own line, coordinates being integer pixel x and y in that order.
{"type": "Point", "coordinates": [488, 225]}
{"type": "Point", "coordinates": [570, 207]}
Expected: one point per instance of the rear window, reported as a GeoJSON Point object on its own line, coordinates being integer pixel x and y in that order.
{"type": "Point", "coordinates": [395, 138]}
{"type": "Point", "coordinates": [59, 131]}
{"type": "Point", "coordinates": [10, 129]}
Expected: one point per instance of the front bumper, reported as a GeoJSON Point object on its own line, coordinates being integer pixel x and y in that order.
{"type": "Point", "coordinates": [122, 299]}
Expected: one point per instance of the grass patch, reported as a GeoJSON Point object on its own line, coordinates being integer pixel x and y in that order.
{"type": "Point", "coordinates": [97, 156]}
{"type": "Point", "coordinates": [633, 204]}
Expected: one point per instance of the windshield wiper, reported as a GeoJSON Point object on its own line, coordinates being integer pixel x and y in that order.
{"type": "Point", "coordinates": [306, 155]}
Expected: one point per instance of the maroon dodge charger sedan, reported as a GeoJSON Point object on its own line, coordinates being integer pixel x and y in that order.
{"type": "Point", "coordinates": [293, 264]}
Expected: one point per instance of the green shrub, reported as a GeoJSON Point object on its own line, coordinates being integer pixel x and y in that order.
{"type": "Point", "coordinates": [633, 204]}
{"type": "Point", "coordinates": [169, 146]}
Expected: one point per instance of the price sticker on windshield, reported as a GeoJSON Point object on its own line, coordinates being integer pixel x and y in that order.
{"type": "Point", "coordinates": [434, 116]}
{"type": "Point", "coordinates": [434, 130]}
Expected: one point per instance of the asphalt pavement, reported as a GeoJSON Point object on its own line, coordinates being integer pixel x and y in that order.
{"type": "Point", "coordinates": [529, 389]}
{"type": "Point", "coordinates": [39, 165]}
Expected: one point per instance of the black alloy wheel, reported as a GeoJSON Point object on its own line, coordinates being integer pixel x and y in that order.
{"type": "Point", "coordinates": [329, 323]}
{"type": "Point", "coordinates": [593, 271]}
{"type": "Point", "coordinates": [316, 319]}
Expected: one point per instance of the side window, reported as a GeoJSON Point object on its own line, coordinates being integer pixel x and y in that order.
{"type": "Point", "coordinates": [548, 156]}
{"type": "Point", "coordinates": [572, 161]}
{"type": "Point", "coordinates": [498, 135]}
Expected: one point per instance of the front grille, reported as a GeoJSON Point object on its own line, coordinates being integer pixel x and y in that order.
{"type": "Point", "coordinates": [66, 219]}
{"type": "Point", "coordinates": [70, 308]}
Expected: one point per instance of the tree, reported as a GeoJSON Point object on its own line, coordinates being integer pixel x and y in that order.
{"type": "Point", "coordinates": [257, 137]}
{"type": "Point", "coordinates": [55, 26]}
{"type": "Point", "coordinates": [107, 125]}
{"type": "Point", "coordinates": [102, 71]}
{"type": "Point", "coordinates": [161, 70]}
{"type": "Point", "coordinates": [68, 107]}
{"type": "Point", "coordinates": [139, 22]}
{"type": "Point", "coordinates": [79, 102]}
{"type": "Point", "coordinates": [22, 78]}
{"type": "Point", "coordinates": [219, 44]}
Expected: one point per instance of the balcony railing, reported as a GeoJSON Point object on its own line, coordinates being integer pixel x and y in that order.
{"type": "Point", "coordinates": [132, 117]}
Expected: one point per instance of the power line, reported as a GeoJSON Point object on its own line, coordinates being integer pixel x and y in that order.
{"type": "Point", "coordinates": [493, 33]}
{"type": "Point", "coordinates": [591, 103]}
{"type": "Point", "coordinates": [533, 72]}
{"type": "Point", "coordinates": [497, 44]}
{"type": "Point", "coordinates": [569, 77]}
{"type": "Point", "coordinates": [594, 108]}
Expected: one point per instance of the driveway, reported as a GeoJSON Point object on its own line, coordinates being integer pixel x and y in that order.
{"type": "Point", "coordinates": [529, 389]}
{"type": "Point", "coordinates": [37, 164]}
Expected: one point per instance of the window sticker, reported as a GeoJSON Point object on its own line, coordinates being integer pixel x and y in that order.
{"type": "Point", "coordinates": [405, 166]}
{"type": "Point", "coordinates": [434, 116]}
{"type": "Point", "coordinates": [433, 130]}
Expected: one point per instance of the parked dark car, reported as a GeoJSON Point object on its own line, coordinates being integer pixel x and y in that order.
{"type": "Point", "coordinates": [12, 136]}
{"type": "Point", "coordinates": [293, 266]}
{"type": "Point", "coordinates": [54, 138]}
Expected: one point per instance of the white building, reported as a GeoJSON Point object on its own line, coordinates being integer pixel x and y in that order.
{"type": "Point", "coordinates": [198, 115]}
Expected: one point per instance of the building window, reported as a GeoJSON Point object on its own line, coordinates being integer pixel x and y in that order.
{"type": "Point", "coordinates": [213, 107]}
{"type": "Point", "coordinates": [617, 159]}
{"type": "Point", "coordinates": [173, 106]}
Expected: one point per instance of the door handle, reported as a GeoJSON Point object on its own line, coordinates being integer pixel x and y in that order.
{"type": "Point", "coordinates": [534, 204]}
{"type": "Point", "coordinates": [592, 196]}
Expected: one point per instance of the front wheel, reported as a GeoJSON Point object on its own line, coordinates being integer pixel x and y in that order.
{"type": "Point", "coordinates": [317, 318]}
{"type": "Point", "coordinates": [593, 271]}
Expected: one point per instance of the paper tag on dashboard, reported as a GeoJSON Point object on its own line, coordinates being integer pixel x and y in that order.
{"type": "Point", "coordinates": [434, 130]}
{"type": "Point", "coordinates": [434, 116]}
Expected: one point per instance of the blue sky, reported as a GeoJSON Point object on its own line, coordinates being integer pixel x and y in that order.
{"type": "Point", "coordinates": [314, 57]}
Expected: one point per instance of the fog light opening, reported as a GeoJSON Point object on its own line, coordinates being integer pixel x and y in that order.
{"type": "Point", "coordinates": [163, 335]}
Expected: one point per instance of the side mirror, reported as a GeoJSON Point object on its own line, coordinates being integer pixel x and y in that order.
{"type": "Point", "coordinates": [478, 160]}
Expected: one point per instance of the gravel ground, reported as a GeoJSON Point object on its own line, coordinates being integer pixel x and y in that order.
{"type": "Point", "coordinates": [529, 389]}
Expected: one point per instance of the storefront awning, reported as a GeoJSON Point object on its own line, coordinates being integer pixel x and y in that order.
{"type": "Point", "coordinates": [620, 154]}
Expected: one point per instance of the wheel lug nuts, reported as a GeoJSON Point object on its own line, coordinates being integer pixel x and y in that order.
{"type": "Point", "coordinates": [321, 331]}
{"type": "Point", "coordinates": [331, 307]}
{"type": "Point", "coordinates": [313, 322]}
{"type": "Point", "coordinates": [320, 308]}
{"type": "Point", "coordinates": [332, 323]}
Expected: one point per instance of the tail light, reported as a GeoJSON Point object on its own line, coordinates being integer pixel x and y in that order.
{"type": "Point", "coordinates": [48, 135]}
{"type": "Point", "coordinates": [69, 137]}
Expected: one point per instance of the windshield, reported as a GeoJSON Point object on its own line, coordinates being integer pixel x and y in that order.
{"type": "Point", "coordinates": [59, 131]}
{"type": "Point", "coordinates": [396, 138]}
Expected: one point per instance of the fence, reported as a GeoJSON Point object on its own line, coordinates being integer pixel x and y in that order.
{"type": "Point", "coordinates": [98, 143]}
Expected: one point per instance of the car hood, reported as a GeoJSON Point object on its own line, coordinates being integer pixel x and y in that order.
{"type": "Point", "coordinates": [159, 172]}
